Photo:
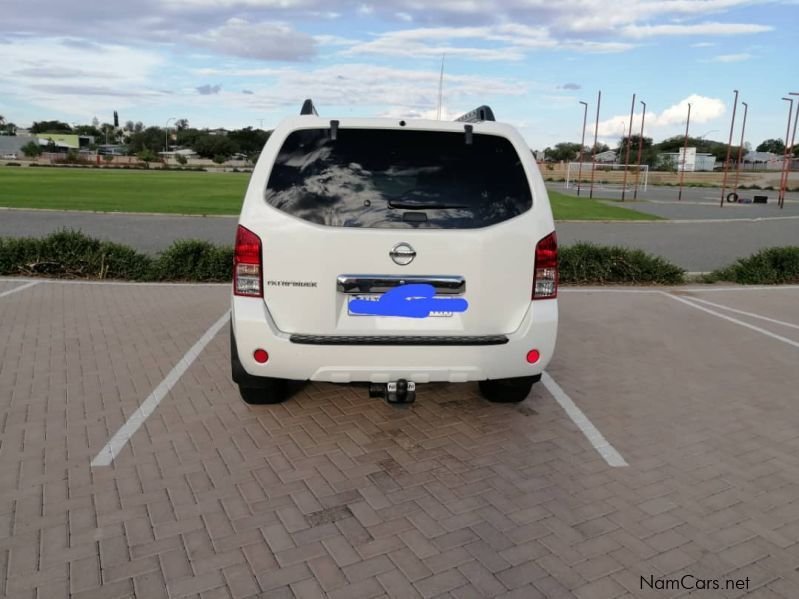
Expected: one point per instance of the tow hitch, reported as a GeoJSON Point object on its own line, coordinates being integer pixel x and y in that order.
{"type": "Point", "coordinates": [399, 392]}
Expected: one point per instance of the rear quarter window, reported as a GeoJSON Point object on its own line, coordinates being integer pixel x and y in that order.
{"type": "Point", "coordinates": [398, 179]}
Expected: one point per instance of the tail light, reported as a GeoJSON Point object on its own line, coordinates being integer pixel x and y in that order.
{"type": "Point", "coordinates": [247, 264]}
{"type": "Point", "coordinates": [545, 280]}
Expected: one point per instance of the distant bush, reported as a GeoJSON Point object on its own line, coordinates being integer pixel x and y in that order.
{"type": "Point", "coordinates": [193, 260]}
{"type": "Point", "coordinates": [13, 164]}
{"type": "Point", "coordinates": [72, 254]}
{"type": "Point", "coordinates": [777, 265]}
{"type": "Point", "coordinates": [586, 263]}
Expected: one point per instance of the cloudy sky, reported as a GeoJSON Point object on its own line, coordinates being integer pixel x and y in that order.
{"type": "Point", "coordinates": [234, 63]}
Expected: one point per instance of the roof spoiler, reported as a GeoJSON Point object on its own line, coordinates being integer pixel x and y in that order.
{"type": "Point", "coordinates": [481, 113]}
{"type": "Point", "coordinates": [308, 108]}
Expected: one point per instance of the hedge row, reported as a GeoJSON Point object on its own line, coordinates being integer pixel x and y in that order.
{"type": "Point", "coordinates": [72, 254]}
{"type": "Point", "coordinates": [772, 266]}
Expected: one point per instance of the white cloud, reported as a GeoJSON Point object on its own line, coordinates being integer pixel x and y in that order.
{"type": "Point", "coordinates": [78, 79]}
{"type": "Point", "coordinates": [703, 109]}
{"type": "Point", "coordinates": [262, 40]}
{"type": "Point", "coordinates": [403, 92]}
{"type": "Point", "coordinates": [647, 31]}
{"type": "Point", "coordinates": [740, 57]}
{"type": "Point", "coordinates": [507, 41]}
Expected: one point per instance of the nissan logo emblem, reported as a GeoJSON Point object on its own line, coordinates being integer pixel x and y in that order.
{"type": "Point", "coordinates": [402, 254]}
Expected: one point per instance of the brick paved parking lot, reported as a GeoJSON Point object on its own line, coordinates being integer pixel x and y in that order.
{"type": "Point", "coordinates": [333, 493]}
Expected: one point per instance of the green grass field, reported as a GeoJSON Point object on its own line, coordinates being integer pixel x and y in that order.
{"type": "Point", "coordinates": [566, 207]}
{"type": "Point", "coordinates": [189, 193]}
{"type": "Point", "coordinates": [122, 191]}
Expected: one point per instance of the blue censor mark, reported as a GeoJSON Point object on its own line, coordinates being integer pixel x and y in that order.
{"type": "Point", "coordinates": [410, 301]}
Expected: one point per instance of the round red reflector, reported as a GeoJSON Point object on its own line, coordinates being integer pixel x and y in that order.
{"type": "Point", "coordinates": [533, 355]}
{"type": "Point", "coordinates": [260, 355]}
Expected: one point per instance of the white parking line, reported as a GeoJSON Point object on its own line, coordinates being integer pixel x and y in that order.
{"type": "Point", "coordinates": [20, 288]}
{"type": "Point", "coordinates": [744, 313]}
{"type": "Point", "coordinates": [123, 435]}
{"type": "Point", "coordinates": [743, 288]}
{"type": "Point", "coordinates": [605, 449]}
{"type": "Point", "coordinates": [731, 319]}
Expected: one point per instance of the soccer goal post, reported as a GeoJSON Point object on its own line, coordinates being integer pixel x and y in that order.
{"type": "Point", "coordinates": [608, 176]}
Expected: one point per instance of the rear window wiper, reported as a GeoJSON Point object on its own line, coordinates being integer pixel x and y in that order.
{"type": "Point", "coordinates": [423, 205]}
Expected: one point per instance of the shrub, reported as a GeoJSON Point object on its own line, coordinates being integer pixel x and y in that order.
{"type": "Point", "coordinates": [586, 263]}
{"type": "Point", "coordinates": [767, 267]}
{"type": "Point", "coordinates": [71, 254]}
{"type": "Point", "coordinates": [13, 164]}
{"type": "Point", "coordinates": [193, 260]}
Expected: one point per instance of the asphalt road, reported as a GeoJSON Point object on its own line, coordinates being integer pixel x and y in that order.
{"type": "Point", "coordinates": [695, 246]}
{"type": "Point", "coordinates": [665, 193]}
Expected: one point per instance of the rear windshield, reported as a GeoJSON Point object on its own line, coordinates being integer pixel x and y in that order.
{"type": "Point", "coordinates": [398, 179]}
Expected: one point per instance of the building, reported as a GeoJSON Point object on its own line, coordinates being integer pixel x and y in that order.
{"type": "Point", "coordinates": [67, 141]}
{"type": "Point", "coordinates": [606, 157]}
{"type": "Point", "coordinates": [11, 146]}
{"type": "Point", "coordinates": [763, 160]}
{"type": "Point", "coordinates": [697, 161]}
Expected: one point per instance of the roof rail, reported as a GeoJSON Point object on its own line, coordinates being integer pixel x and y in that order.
{"type": "Point", "coordinates": [481, 113]}
{"type": "Point", "coordinates": [308, 108]}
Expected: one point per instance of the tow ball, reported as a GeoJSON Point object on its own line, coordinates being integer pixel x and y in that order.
{"type": "Point", "coordinates": [399, 392]}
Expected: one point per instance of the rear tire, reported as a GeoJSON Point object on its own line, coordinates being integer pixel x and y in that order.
{"type": "Point", "coordinates": [256, 390]}
{"type": "Point", "coordinates": [508, 390]}
{"type": "Point", "coordinates": [270, 391]}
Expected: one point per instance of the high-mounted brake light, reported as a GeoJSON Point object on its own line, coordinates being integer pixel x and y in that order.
{"type": "Point", "coordinates": [247, 264]}
{"type": "Point", "coordinates": [545, 279]}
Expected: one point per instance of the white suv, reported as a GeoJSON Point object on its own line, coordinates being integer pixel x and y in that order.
{"type": "Point", "coordinates": [394, 252]}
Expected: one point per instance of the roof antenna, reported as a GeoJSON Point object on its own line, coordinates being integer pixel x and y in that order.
{"type": "Point", "coordinates": [440, 87]}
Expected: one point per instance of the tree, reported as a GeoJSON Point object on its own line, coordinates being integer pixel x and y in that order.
{"type": "Point", "coordinates": [88, 130]}
{"type": "Point", "coordinates": [219, 159]}
{"type": "Point", "coordinates": [181, 124]}
{"type": "Point", "coordinates": [564, 150]}
{"type": "Point", "coordinates": [32, 149]}
{"type": "Point", "coordinates": [50, 127]}
{"type": "Point", "coordinates": [147, 156]}
{"type": "Point", "coordinates": [181, 159]}
{"type": "Point", "coordinates": [249, 141]}
{"type": "Point", "coordinates": [775, 146]}
{"type": "Point", "coordinates": [151, 138]}
{"type": "Point", "coordinates": [634, 139]}
{"type": "Point", "coordinates": [7, 128]}
{"type": "Point", "coordinates": [209, 146]}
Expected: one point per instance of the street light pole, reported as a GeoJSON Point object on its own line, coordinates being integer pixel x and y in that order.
{"type": "Point", "coordinates": [582, 145]}
{"type": "Point", "coordinates": [627, 154]}
{"type": "Point", "coordinates": [593, 150]}
{"type": "Point", "coordinates": [740, 150]}
{"type": "Point", "coordinates": [781, 195]}
{"type": "Point", "coordinates": [684, 152]}
{"type": "Point", "coordinates": [729, 150]}
{"type": "Point", "coordinates": [789, 149]}
{"type": "Point", "coordinates": [166, 133]}
{"type": "Point", "coordinates": [640, 149]}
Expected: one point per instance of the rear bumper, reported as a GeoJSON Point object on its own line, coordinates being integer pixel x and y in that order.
{"type": "Point", "coordinates": [254, 328]}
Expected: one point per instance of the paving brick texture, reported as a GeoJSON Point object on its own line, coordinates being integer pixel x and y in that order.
{"type": "Point", "coordinates": [335, 494]}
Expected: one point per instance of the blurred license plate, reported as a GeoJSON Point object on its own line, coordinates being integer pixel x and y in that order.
{"type": "Point", "coordinates": [376, 298]}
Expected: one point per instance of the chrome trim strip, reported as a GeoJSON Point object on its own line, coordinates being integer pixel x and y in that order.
{"type": "Point", "coordinates": [399, 339]}
{"type": "Point", "coordinates": [443, 284]}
